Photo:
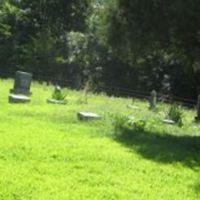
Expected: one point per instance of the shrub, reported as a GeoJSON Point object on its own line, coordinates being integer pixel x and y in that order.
{"type": "Point", "coordinates": [175, 113]}
{"type": "Point", "coordinates": [58, 94]}
{"type": "Point", "coordinates": [126, 125]}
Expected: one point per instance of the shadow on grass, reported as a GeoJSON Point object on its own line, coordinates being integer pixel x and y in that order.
{"type": "Point", "coordinates": [197, 189]}
{"type": "Point", "coordinates": [164, 148]}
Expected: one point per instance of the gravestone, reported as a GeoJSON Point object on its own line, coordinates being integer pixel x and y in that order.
{"type": "Point", "coordinates": [13, 98]}
{"type": "Point", "coordinates": [86, 116]}
{"type": "Point", "coordinates": [153, 100]}
{"type": "Point", "coordinates": [198, 110]}
{"type": "Point", "coordinates": [22, 83]}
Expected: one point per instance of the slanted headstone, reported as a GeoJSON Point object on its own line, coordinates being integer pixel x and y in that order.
{"type": "Point", "coordinates": [86, 116]}
{"type": "Point", "coordinates": [13, 98]}
{"type": "Point", "coordinates": [22, 83]}
{"type": "Point", "coordinates": [198, 110]}
{"type": "Point", "coordinates": [153, 100]}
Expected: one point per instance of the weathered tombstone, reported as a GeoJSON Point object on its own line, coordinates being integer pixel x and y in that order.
{"type": "Point", "coordinates": [22, 83]}
{"type": "Point", "coordinates": [198, 110]}
{"type": "Point", "coordinates": [86, 116]}
{"type": "Point", "coordinates": [153, 100]}
{"type": "Point", "coordinates": [13, 98]}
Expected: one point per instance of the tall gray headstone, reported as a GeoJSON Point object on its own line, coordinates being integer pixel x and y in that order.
{"type": "Point", "coordinates": [198, 109]}
{"type": "Point", "coordinates": [153, 100]}
{"type": "Point", "coordinates": [22, 83]}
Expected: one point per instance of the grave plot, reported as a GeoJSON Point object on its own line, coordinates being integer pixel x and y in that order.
{"type": "Point", "coordinates": [87, 116]}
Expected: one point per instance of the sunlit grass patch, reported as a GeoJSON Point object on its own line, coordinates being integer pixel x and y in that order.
{"type": "Point", "coordinates": [46, 153]}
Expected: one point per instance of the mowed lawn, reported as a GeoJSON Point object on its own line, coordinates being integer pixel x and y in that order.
{"type": "Point", "coordinates": [47, 154]}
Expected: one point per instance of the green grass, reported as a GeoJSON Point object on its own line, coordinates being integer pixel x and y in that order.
{"type": "Point", "coordinates": [46, 153]}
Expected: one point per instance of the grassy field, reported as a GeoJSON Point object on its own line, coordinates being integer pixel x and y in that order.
{"type": "Point", "coordinates": [47, 154]}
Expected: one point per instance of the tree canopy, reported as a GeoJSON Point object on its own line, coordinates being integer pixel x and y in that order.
{"type": "Point", "coordinates": [134, 44]}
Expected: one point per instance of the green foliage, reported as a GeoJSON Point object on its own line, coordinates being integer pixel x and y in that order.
{"type": "Point", "coordinates": [115, 40]}
{"type": "Point", "coordinates": [59, 95]}
{"type": "Point", "coordinates": [127, 126]}
{"type": "Point", "coordinates": [48, 154]}
{"type": "Point", "coordinates": [176, 114]}
{"type": "Point", "coordinates": [133, 25]}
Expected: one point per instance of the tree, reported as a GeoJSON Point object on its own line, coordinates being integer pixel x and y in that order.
{"type": "Point", "coordinates": [144, 33]}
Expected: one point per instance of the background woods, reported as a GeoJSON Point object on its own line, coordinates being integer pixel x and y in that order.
{"type": "Point", "coordinates": [141, 45]}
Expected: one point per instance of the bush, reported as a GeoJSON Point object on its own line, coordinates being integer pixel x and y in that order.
{"type": "Point", "coordinates": [58, 94]}
{"type": "Point", "coordinates": [175, 113]}
{"type": "Point", "coordinates": [126, 125]}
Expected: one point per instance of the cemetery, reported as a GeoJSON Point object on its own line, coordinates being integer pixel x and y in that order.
{"type": "Point", "coordinates": [104, 149]}
{"type": "Point", "coordinates": [99, 100]}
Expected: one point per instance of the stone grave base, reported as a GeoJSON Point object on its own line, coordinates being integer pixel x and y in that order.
{"type": "Point", "coordinates": [54, 101]}
{"type": "Point", "coordinates": [86, 116]}
{"type": "Point", "coordinates": [168, 121]}
{"type": "Point", "coordinates": [13, 98]}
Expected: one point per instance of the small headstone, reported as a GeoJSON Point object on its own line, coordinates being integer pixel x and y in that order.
{"type": "Point", "coordinates": [198, 110]}
{"type": "Point", "coordinates": [13, 98]}
{"type": "Point", "coordinates": [88, 116]}
{"type": "Point", "coordinates": [169, 121]}
{"type": "Point", "coordinates": [22, 83]}
{"type": "Point", "coordinates": [153, 100]}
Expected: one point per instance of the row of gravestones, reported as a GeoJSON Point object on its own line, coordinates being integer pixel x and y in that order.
{"type": "Point", "coordinates": [21, 94]}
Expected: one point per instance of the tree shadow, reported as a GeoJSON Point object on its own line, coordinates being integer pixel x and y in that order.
{"type": "Point", "coordinates": [164, 148]}
{"type": "Point", "coordinates": [197, 188]}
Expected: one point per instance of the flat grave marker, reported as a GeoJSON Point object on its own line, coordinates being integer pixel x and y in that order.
{"type": "Point", "coordinates": [169, 121]}
{"type": "Point", "coordinates": [87, 116]}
